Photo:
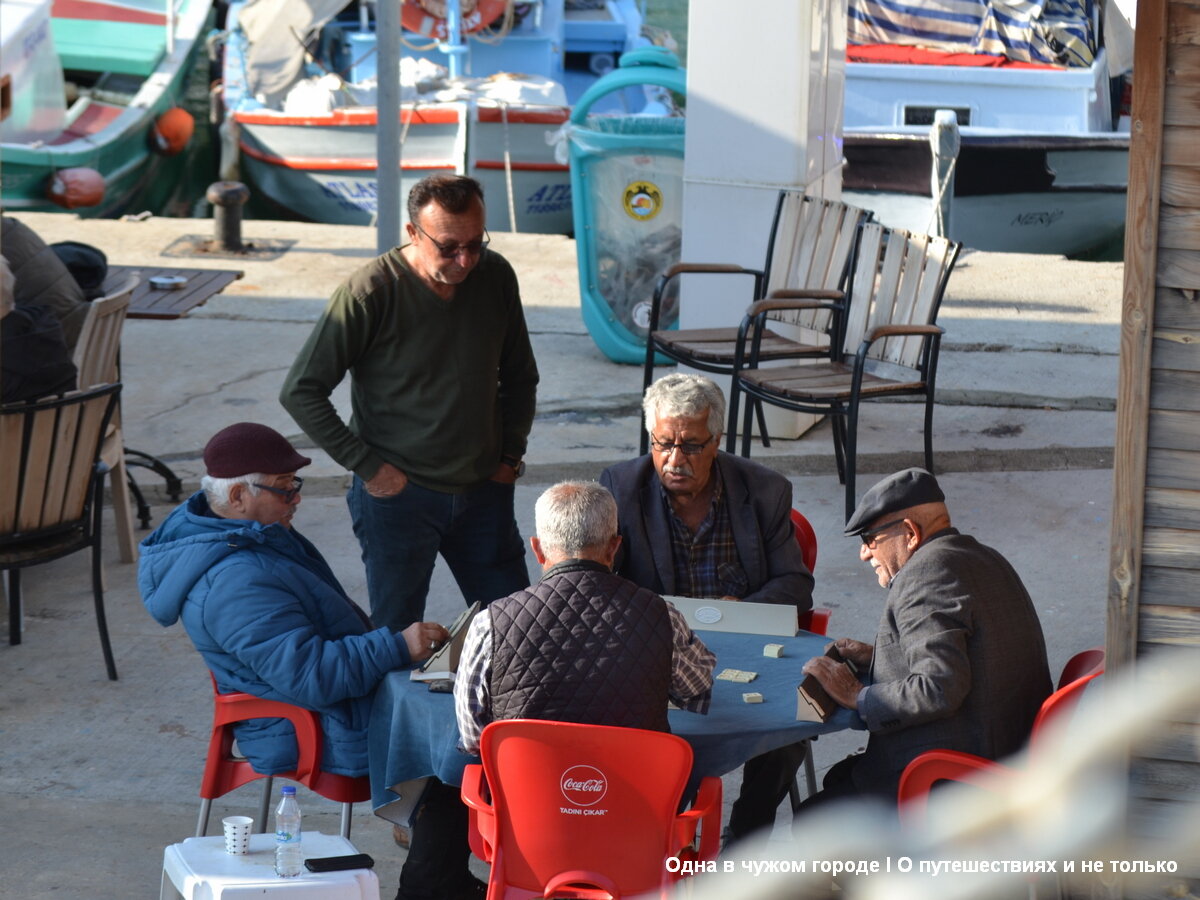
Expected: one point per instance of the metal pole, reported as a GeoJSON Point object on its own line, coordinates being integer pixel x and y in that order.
{"type": "Point", "coordinates": [454, 46]}
{"type": "Point", "coordinates": [387, 131]}
{"type": "Point", "coordinates": [944, 141]}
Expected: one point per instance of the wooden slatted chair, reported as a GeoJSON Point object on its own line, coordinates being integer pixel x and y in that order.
{"type": "Point", "coordinates": [890, 341]}
{"type": "Point", "coordinates": [809, 247]}
{"type": "Point", "coordinates": [51, 491]}
{"type": "Point", "coordinates": [96, 358]}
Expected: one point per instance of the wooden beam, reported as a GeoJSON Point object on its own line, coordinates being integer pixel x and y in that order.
{"type": "Point", "coordinates": [1178, 227]}
{"type": "Point", "coordinates": [1179, 146]}
{"type": "Point", "coordinates": [1137, 323]}
{"type": "Point", "coordinates": [1181, 184]}
{"type": "Point", "coordinates": [1177, 268]}
{"type": "Point", "coordinates": [1176, 309]}
{"type": "Point", "coordinates": [1176, 350]}
{"type": "Point", "coordinates": [1176, 390]}
{"type": "Point", "coordinates": [1173, 469]}
{"type": "Point", "coordinates": [1183, 24]}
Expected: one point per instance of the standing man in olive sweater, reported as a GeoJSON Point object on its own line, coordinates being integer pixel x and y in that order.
{"type": "Point", "coordinates": [443, 389]}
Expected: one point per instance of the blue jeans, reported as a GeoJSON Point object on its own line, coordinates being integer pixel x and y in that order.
{"type": "Point", "coordinates": [402, 535]}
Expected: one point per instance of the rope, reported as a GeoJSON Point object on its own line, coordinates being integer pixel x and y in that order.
{"type": "Point", "coordinates": [490, 36]}
{"type": "Point", "coordinates": [508, 184]}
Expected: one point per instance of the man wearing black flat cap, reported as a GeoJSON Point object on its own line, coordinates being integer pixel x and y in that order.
{"type": "Point", "coordinates": [959, 661]}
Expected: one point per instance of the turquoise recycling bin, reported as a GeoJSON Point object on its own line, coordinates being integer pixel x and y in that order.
{"type": "Point", "coordinates": [627, 197]}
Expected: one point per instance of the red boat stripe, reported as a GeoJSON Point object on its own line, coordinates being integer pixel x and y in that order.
{"type": "Point", "coordinates": [525, 116]}
{"type": "Point", "coordinates": [104, 12]}
{"type": "Point", "coordinates": [342, 117]}
{"type": "Point", "coordinates": [339, 164]}
{"type": "Point", "coordinates": [521, 166]}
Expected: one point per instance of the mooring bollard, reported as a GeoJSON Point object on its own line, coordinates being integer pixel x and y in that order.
{"type": "Point", "coordinates": [227, 198]}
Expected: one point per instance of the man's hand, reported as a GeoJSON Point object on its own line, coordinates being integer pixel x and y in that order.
{"type": "Point", "coordinates": [505, 474]}
{"type": "Point", "coordinates": [388, 481]}
{"type": "Point", "coordinates": [422, 639]}
{"type": "Point", "coordinates": [836, 678]}
{"type": "Point", "coordinates": [856, 651]}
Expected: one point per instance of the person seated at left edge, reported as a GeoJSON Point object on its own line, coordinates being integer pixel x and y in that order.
{"type": "Point", "coordinates": [263, 607]}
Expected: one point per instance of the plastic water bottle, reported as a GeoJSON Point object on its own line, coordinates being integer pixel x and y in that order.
{"type": "Point", "coordinates": [289, 858]}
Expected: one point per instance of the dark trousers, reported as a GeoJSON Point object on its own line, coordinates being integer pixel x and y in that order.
{"type": "Point", "coordinates": [438, 852]}
{"type": "Point", "coordinates": [766, 780]}
{"type": "Point", "coordinates": [401, 537]}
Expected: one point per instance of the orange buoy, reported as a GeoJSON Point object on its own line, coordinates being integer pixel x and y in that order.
{"type": "Point", "coordinates": [428, 17]}
{"type": "Point", "coordinates": [76, 187]}
{"type": "Point", "coordinates": [172, 130]}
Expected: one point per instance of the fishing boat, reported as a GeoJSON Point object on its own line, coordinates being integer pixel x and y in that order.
{"type": "Point", "coordinates": [96, 89]}
{"type": "Point", "coordinates": [299, 95]}
{"type": "Point", "coordinates": [1032, 151]}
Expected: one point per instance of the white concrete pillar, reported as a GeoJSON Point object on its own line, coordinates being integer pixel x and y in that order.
{"type": "Point", "coordinates": [764, 112]}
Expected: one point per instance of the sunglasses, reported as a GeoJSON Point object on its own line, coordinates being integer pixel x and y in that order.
{"type": "Point", "coordinates": [870, 537]}
{"type": "Point", "coordinates": [288, 494]}
{"type": "Point", "coordinates": [452, 251]}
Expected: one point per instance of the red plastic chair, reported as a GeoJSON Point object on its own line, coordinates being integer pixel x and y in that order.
{"type": "Point", "coordinates": [815, 620]}
{"type": "Point", "coordinates": [224, 772]}
{"type": "Point", "coordinates": [933, 766]}
{"type": "Point", "coordinates": [806, 538]}
{"type": "Point", "coordinates": [585, 811]}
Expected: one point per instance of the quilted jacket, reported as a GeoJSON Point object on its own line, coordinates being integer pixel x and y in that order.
{"type": "Point", "coordinates": [582, 645]}
{"type": "Point", "coordinates": [269, 617]}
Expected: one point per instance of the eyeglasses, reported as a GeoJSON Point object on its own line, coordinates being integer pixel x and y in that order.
{"type": "Point", "coordinates": [689, 448]}
{"type": "Point", "coordinates": [288, 494]}
{"type": "Point", "coordinates": [451, 251]}
{"type": "Point", "coordinates": [870, 537]}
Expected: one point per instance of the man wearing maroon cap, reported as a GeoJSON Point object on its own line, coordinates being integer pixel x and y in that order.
{"type": "Point", "coordinates": [264, 609]}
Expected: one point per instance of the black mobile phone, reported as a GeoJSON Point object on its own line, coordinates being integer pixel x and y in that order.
{"type": "Point", "coordinates": [442, 686]}
{"type": "Point", "coordinates": [338, 863]}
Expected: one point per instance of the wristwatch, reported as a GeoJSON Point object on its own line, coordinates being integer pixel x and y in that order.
{"type": "Point", "coordinates": [518, 465]}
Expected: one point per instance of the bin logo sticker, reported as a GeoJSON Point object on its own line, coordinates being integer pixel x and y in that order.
{"type": "Point", "coordinates": [643, 200]}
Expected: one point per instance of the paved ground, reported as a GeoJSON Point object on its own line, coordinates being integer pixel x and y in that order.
{"type": "Point", "coordinates": [1024, 431]}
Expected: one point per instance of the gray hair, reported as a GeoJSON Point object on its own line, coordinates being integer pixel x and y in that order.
{"type": "Point", "coordinates": [217, 489]}
{"type": "Point", "coordinates": [574, 516]}
{"type": "Point", "coordinates": [685, 395]}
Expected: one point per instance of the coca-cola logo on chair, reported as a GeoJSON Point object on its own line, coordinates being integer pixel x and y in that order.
{"type": "Point", "coordinates": [584, 785]}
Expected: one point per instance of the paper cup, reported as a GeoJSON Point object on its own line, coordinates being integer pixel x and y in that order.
{"type": "Point", "coordinates": [237, 834]}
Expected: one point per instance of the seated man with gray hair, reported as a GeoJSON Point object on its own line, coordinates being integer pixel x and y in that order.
{"type": "Point", "coordinates": [698, 522]}
{"type": "Point", "coordinates": [263, 607]}
{"type": "Point", "coordinates": [583, 644]}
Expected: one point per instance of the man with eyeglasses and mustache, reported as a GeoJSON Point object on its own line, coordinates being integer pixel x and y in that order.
{"type": "Point", "coordinates": [959, 661]}
{"type": "Point", "coordinates": [443, 389]}
{"type": "Point", "coordinates": [264, 609]}
{"type": "Point", "coordinates": [698, 522]}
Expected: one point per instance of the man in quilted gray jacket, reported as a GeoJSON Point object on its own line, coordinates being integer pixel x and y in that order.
{"type": "Point", "coordinates": [512, 665]}
{"type": "Point", "coordinates": [581, 645]}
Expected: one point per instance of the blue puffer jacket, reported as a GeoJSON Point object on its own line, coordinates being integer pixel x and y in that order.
{"type": "Point", "coordinates": [266, 613]}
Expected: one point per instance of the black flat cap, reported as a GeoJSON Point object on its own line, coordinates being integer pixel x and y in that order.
{"type": "Point", "coordinates": [910, 487]}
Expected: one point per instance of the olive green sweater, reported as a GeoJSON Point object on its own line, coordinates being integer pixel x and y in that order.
{"type": "Point", "coordinates": [440, 389]}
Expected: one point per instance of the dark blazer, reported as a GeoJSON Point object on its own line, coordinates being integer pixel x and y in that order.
{"type": "Point", "coordinates": [760, 504]}
{"type": "Point", "coordinates": [959, 664]}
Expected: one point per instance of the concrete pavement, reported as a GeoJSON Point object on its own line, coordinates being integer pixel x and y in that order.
{"type": "Point", "coordinates": [97, 777]}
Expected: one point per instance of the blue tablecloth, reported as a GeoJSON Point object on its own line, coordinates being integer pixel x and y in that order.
{"type": "Point", "coordinates": [413, 733]}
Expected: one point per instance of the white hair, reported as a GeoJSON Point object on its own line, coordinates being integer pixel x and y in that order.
{"type": "Point", "coordinates": [574, 516]}
{"type": "Point", "coordinates": [217, 489]}
{"type": "Point", "coordinates": [685, 396]}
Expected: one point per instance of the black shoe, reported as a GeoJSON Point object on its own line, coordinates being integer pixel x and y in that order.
{"type": "Point", "coordinates": [473, 890]}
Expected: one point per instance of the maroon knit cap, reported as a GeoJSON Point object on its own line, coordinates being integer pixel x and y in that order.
{"type": "Point", "coordinates": [247, 448]}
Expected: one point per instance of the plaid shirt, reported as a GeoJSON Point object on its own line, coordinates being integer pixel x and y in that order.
{"type": "Point", "coordinates": [706, 563]}
{"type": "Point", "coordinates": [692, 666]}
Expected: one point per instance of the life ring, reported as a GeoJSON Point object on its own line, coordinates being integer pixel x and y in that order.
{"type": "Point", "coordinates": [428, 17]}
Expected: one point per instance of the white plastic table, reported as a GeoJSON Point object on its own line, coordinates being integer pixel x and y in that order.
{"type": "Point", "coordinates": [200, 867]}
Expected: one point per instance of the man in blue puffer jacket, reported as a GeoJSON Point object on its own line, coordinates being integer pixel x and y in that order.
{"type": "Point", "coordinates": [263, 607]}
